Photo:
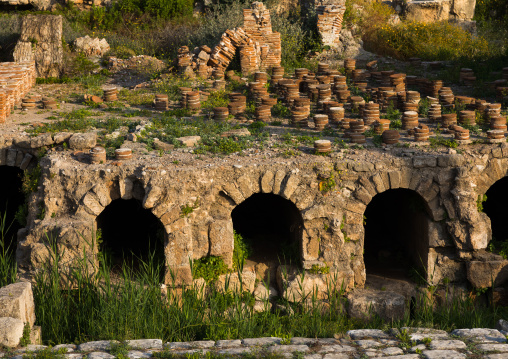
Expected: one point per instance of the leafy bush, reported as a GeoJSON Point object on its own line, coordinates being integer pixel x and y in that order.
{"type": "Point", "coordinates": [429, 41]}
{"type": "Point", "coordinates": [241, 251]}
{"type": "Point", "coordinates": [209, 268]}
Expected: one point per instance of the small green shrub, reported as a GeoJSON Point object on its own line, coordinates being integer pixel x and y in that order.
{"type": "Point", "coordinates": [479, 202]}
{"type": "Point", "coordinates": [316, 269]}
{"type": "Point", "coordinates": [209, 268]}
{"type": "Point", "coordinates": [30, 180]}
{"type": "Point", "coordinates": [25, 339]}
{"type": "Point", "coordinates": [241, 251]}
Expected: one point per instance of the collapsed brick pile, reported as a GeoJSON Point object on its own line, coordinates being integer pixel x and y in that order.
{"type": "Point", "coordinates": [329, 22]}
{"type": "Point", "coordinates": [258, 46]}
{"type": "Point", "coordinates": [16, 79]}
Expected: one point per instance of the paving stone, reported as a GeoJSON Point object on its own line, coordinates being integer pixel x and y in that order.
{"type": "Point", "coordinates": [371, 353]}
{"type": "Point", "coordinates": [404, 356]}
{"type": "Point", "coordinates": [144, 344]}
{"type": "Point", "coordinates": [392, 351]}
{"type": "Point", "coordinates": [235, 351]}
{"type": "Point", "coordinates": [34, 348]}
{"type": "Point", "coordinates": [336, 356]}
{"type": "Point", "coordinates": [493, 347]}
{"type": "Point", "coordinates": [496, 356]}
{"type": "Point", "coordinates": [329, 341]}
{"type": "Point", "coordinates": [421, 347]}
{"type": "Point", "coordinates": [306, 341]}
{"type": "Point", "coordinates": [443, 354]}
{"type": "Point", "coordinates": [69, 347]}
{"type": "Point", "coordinates": [261, 341]}
{"type": "Point", "coordinates": [228, 343]}
{"type": "Point", "coordinates": [368, 343]}
{"type": "Point", "coordinates": [288, 348]}
{"type": "Point", "coordinates": [313, 356]}
{"type": "Point", "coordinates": [100, 355]}
{"type": "Point", "coordinates": [420, 337]}
{"type": "Point", "coordinates": [368, 333]}
{"type": "Point", "coordinates": [447, 344]}
{"type": "Point", "coordinates": [336, 349]}
{"type": "Point", "coordinates": [199, 344]}
{"type": "Point", "coordinates": [95, 346]}
{"type": "Point", "coordinates": [135, 354]}
{"type": "Point", "coordinates": [483, 335]}
{"type": "Point", "coordinates": [74, 356]}
{"type": "Point", "coordinates": [388, 342]}
{"type": "Point", "coordinates": [190, 352]}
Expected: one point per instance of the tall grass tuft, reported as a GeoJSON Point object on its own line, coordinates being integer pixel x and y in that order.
{"type": "Point", "coordinates": [8, 269]}
{"type": "Point", "coordinates": [85, 303]}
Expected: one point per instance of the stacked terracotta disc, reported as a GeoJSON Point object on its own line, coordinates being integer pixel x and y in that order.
{"type": "Point", "coordinates": [356, 127]}
{"type": "Point", "coordinates": [381, 126]}
{"type": "Point", "coordinates": [349, 65]}
{"type": "Point", "coordinates": [300, 73]}
{"type": "Point", "coordinates": [110, 94]}
{"type": "Point", "coordinates": [467, 77]}
{"type": "Point", "coordinates": [492, 110]}
{"type": "Point", "coordinates": [356, 102]}
{"type": "Point", "coordinates": [28, 103]}
{"type": "Point", "coordinates": [432, 87]}
{"type": "Point", "coordinates": [498, 123]}
{"type": "Point", "coordinates": [262, 113]}
{"type": "Point", "coordinates": [324, 93]}
{"type": "Point", "coordinates": [300, 116]}
{"type": "Point", "coordinates": [446, 97]}
{"type": "Point", "coordinates": [123, 153]}
{"type": "Point", "coordinates": [434, 113]}
{"type": "Point", "coordinates": [220, 114]}
{"type": "Point", "coordinates": [448, 119]}
{"type": "Point", "coordinates": [323, 79]}
{"type": "Point", "coordinates": [322, 146]}
{"type": "Point", "coordinates": [3, 107]}
{"type": "Point", "coordinates": [320, 122]}
{"type": "Point", "coordinates": [409, 120]}
{"type": "Point", "coordinates": [219, 85]}
{"type": "Point", "coordinates": [97, 155]}
{"type": "Point", "coordinates": [421, 133]}
{"type": "Point", "coordinates": [345, 124]}
{"type": "Point", "coordinates": [49, 103]}
{"type": "Point", "coordinates": [398, 82]}
{"type": "Point", "coordinates": [323, 68]}
{"type": "Point", "coordinates": [408, 106]}
{"type": "Point", "coordinates": [290, 92]}
{"type": "Point", "coordinates": [277, 74]}
{"type": "Point", "coordinates": [461, 134]}
{"type": "Point", "coordinates": [390, 137]}
{"type": "Point", "coordinates": [161, 102]}
{"type": "Point", "coordinates": [357, 138]}
{"type": "Point", "coordinates": [467, 118]}
{"type": "Point", "coordinates": [496, 135]}
{"type": "Point", "coordinates": [193, 101]}
{"type": "Point", "coordinates": [336, 115]}
{"type": "Point", "coordinates": [183, 93]}
{"type": "Point", "coordinates": [370, 113]}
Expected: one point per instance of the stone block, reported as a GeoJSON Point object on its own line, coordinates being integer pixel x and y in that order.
{"type": "Point", "coordinates": [291, 186]}
{"type": "Point", "coordinates": [82, 141]}
{"type": "Point", "coordinates": [364, 303]}
{"type": "Point", "coordinates": [221, 239]}
{"type": "Point", "coordinates": [267, 182]}
{"type": "Point", "coordinates": [16, 301]}
{"type": "Point", "coordinates": [11, 331]}
{"type": "Point", "coordinates": [189, 141]}
{"type": "Point", "coordinates": [277, 181]}
{"type": "Point", "coordinates": [424, 161]}
{"type": "Point", "coordinates": [487, 274]}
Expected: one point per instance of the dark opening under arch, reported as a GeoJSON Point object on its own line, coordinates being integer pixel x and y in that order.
{"type": "Point", "coordinates": [12, 200]}
{"type": "Point", "coordinates": [497, 209]}
{"type": "Point", "coordinates": [396, 235]}
{"type": "Point", "coordinates": [129, 234]}
{"type": "Point", "coordinates": [272, 225]}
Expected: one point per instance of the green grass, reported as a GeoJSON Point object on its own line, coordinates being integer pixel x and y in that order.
{"type": "Point", "coordinates": [80, 306]}
{"type": "Point", "coordinates": [8, 268]}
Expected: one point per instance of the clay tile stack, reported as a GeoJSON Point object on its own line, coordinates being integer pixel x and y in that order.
{"type": "Point", "coordinates": [262, 113]}
{"type": "Point", "coordinates": [492, 110]}
{"type": "Point", "coordinates": [390, 137]}
{"type": "Point", "coordinates": [49, 103]}
{"type": "Point", "coordinates": [97, 155]}
{"type": "Point", "coordinates": [356, 127]}
{"type": "Point", "coordinates": [432, 87]}
{"type": "Point", "coordinates": [467, 118]}
{"type": "Point", "coordinates": [421, 133]}
{"type": "Point", "coordinates": [496, 136]}
{"type": "Point", "coordinates": [183, 93]}
{"type": "Point", "coordinates": [324, 93]}
{"type": "Point", "coordinates": [237, 103]}
{"type": "Point", "coordinates": [322, 146]}
{"type": "Point", "coordinates": [320, 122]}
{"type": "Point", "coordinates": [336, 115]}
{"type": "Point", "coordinates": [498, 123]}
{"type": "Point", "coordinates": [110, 94]}
{"type": "Point", "coordinates": [193, 101]}
{"type": "Point", "coordinates": [220, 114]}
{"type": "Point", "coordinates": [467, 77]}
{"type": "Point", "coordinates": [434, 113]}
{"type": "Point", "coordinates": [381, 126]}
{"type": "Point", "coordinates": [349, 65]}
{"type": "Point", "coordinates": [370, 113]}
{"type": "Point", "coordinates": [323, 68]}
{"type": "Point", "coordinates": [161, 102]}
{"type": "Point", "coordinates": [300, 116]}
{"type": "Point", "coordinates": [398, 81]}
{"type": "Point", "coordinates": [446, 97]}
{"type": "Point", "coordinates": [448, 119]}
{"type": "Point", "coordinates": [461, 134]}
{"type": "Point", "coordinates": [261, 77]}
{"type": "Point", "coordinates": [277, 74]}
{"type": "Point", "coordinates": [123, 154]}
{"type": "Point", "coordinates": [409, 120]}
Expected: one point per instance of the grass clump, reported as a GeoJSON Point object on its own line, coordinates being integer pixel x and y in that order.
{"type": "Point", "coordinates": [428, 41]}
{"type": "Point", "coordinates": [241, 251]}
{"type": "Point", "coordinates": [209, 268]}
{"type": "Point", "coordinates": [46, 353]}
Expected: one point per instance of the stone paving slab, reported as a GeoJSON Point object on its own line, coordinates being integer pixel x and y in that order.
{"type": "Point", "coordinates": [478, 343]}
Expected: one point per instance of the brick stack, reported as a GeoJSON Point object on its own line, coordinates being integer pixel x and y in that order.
{"type": "Point", "coordinates": [16, 79]}
{"type": "Point", "coordinates": [329, 23]}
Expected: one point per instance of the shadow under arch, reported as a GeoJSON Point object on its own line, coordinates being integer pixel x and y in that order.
{"type": "Point", "coordinates": [12, 200]}
{"type": "Point", "coordinates": [272, 226]}
{"type": "Point", "coordinates": [496, 208]}
{"type": "Point", "coordinates": [396, 243]}
{"type": "Point", "coordinates": [130, 234]}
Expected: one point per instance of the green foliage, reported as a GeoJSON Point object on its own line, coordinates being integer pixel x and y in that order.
{"type": "Point", "coordinates": [8, 267]}
{"type": "Point", "coordinates": [441, 141]}
{"type": "Point", "coordinates": [187, 209]}
{"type": "Point", "coordinates": [429, 41]}
{"type": "Point", "coordinates": [30, 180]}
{"type": "Point", "coordinates": [241, 251]}
{"type": "Point", "coordinates": [25, 339]}
{"type": "Point", "coordinates": [499, 247]}
{"type": "Point", "coordinates": [209, 268]}
{"type": "Point", "coordinates": [327, 184]}
{"type": "Point", "coordinates": [281, 110]}
{"type": "Point", "coordinates": [46, 353]}
{"type": "Point", "coordinates": [317, 269]}
{"type": "Point", "coordinates": [21, 214]}
{"type": "Point", "coordinates": [119, 350]}
{"type": "Point", "coordinates": [479, 202]}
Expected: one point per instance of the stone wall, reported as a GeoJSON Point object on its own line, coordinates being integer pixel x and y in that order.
{"type": "Point", "coordinates": [75, 193]}
{"type": "Point", "coordinates": [437, 10]}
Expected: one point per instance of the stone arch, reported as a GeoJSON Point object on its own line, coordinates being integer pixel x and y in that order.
{"type": "Point", "coordinates": [231, 42]}
{"type": "Point", "coordinates": [495, 208]}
